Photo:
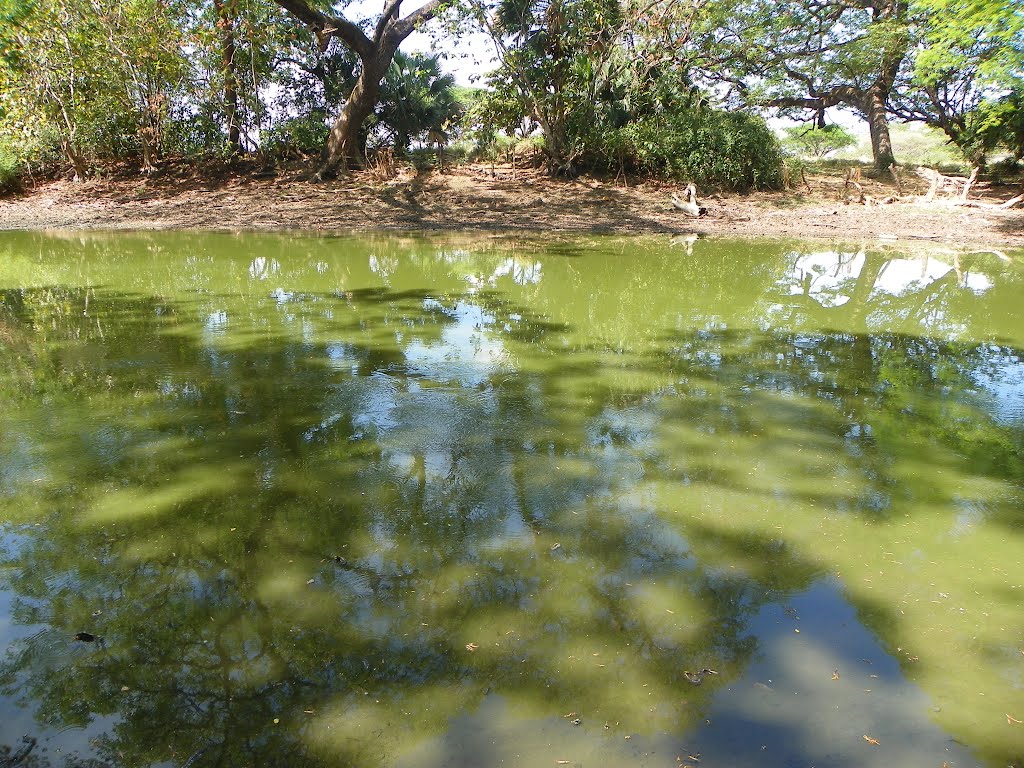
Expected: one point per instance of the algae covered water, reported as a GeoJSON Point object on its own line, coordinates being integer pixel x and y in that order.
{"type": "Point", "coordinates": [284, 500]}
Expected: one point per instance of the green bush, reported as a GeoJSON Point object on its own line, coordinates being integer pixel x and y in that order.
{"type": "Point", "coordinates": [730, 150]}
{"type": "Point", "coordinates": [298, 135]}
{"type": "Point", "coordinates": [11, 169]}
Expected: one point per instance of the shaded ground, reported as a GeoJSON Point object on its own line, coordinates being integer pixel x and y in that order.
{"type": "Point", "coordinates": [500, 198]}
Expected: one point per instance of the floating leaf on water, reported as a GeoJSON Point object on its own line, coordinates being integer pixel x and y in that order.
{"type": "Point", "coordinates": [871, 741]}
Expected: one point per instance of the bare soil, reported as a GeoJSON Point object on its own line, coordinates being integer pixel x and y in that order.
{"type": "Point", "coordinates": [501, 198]}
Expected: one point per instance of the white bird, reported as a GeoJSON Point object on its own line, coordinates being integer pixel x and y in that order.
{"type": "Point", "coordinates": [689, 206]}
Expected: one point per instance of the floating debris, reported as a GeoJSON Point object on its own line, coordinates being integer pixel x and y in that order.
{"type": "Point", "coordinates": [698, 677]}
{"type": "Point", "coordinates": [871, 741]}
{"type": "Point", "coordinates": [86, 637]}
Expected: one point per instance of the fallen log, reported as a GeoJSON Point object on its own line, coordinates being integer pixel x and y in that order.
{"type": "Point", "coordinates": [1012, 202]}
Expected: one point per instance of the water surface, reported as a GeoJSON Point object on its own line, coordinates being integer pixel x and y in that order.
{"type": "Point", "coordinates": [449, 502]}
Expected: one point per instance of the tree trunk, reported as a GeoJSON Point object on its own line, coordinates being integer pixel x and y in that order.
{"type": "Point", "coordinates": [75, 158]}
{"type": "Point", "coordinates": [226, 22]}
{"type": "Point", "coordinates": [345, 149]}
{"type": "Point", "coordinates": [556, 143]}
{"type": "Point", "coordinates": [878, 125]}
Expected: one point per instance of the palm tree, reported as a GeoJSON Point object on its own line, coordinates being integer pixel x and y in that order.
{"type": "Point", "coordinates": [417, 99]}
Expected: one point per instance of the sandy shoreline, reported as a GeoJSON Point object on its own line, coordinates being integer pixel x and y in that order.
{"type": "Point", "coordinates": [475, 198]}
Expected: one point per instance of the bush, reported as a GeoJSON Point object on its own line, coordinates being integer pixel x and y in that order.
{"type": "Point", "coordinates": [11, 169]}
{"type": "Point", "coordinates": [298, 135]}
{"type": "Point", "coordinates": [730, 150]}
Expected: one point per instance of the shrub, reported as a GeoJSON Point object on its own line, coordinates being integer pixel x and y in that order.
{"type": "Point", "coordinates": [11, 169]}
{"type": "Point", "coordinates": [730, 150]}
{"type": "Point", "coordinates": [304, 135]}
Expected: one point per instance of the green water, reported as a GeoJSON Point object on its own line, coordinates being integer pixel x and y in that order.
{"type": "Point", "coordinates": [472, 502]}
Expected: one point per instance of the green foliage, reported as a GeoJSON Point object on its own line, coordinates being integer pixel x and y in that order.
{"type": "Point", "coordinates": [303, 135]}
{"type": "Point", "coordinates": [556, 59]}
{"type": "Point", "coordinates": [968, 64]}
{"type": "Point", "coordinates": [417, 101]}
{"type": "Point", "coordinates": [731, 150]}
{"type": "Point", "coordinates": [10, 170]}
{"type": "Point", "coordinates": [810, 141]}
{"type": "Point", "coordinates": [94, 74]}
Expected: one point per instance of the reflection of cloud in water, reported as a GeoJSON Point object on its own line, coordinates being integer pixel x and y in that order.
{"type": "Point", "coordinates": [521, 272]}
{"type": "Point", "coordinates": [822, 274]}
{"type": "Point", "coordinates": [216, 322]}
{"type": "Point", "coordinates": [829, 276]}
{"type": "Point", "coordinates": [384, 266]}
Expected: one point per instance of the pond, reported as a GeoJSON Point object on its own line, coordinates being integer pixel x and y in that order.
{"type": "Point", "coordinates": [282, 500]}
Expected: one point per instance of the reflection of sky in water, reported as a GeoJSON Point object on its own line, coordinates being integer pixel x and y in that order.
{"type": "Point", "coordinates": [1004, 382]}
{"type": "Point", "coordinates": [216, 322]}
{"type": "Point", "coordinates": [262, 268]}
{"type": "Point", "coordinates": [828, 276]}
{"type": "Point", "coordinates": [466, 354]}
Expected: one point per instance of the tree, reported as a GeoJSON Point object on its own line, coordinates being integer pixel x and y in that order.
{"type": "Point", "coordinates": [556, 60]}
{"type": "Point", "coordinates": [94, 74]}
{"type": "Point", "coordinates": [818, 142]}
{"type": "Point", "coordinates": [965, 72]}
{"type": "Point", "coordinates": [809, 55]}
{"type": "Point", "coordinates": [226, 21]}
{"type": "Point", "coordinates": [375, 51]}
{"type": "Point", "coordinates": [416, 98]}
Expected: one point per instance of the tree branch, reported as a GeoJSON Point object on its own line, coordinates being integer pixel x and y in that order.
{"type": "Point", "coordinates": [391, 9]}
{"type": "Point", "coordinates": [405, 27]}
{"type": "Point", "coordinates": [326, 25]}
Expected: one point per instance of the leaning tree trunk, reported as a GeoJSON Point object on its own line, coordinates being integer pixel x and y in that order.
{"type": "Point", "coordinates": [345, 148]}
{"type": "Point", "coordinates": [878, 125]}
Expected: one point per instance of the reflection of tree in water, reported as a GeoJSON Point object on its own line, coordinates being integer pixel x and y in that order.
{"type": "Point", "coordinates": [202, 649]}
{"type": "Point", "coordinates": [525, 514]}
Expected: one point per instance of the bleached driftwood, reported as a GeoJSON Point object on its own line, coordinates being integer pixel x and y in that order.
{"type": "Point", "coordinates": [1011, 203]}
{"type": "Point", "coordinates": [953, 186]}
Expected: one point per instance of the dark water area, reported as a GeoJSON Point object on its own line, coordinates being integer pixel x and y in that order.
{"type": "Point", "coordinates": [277, 500]}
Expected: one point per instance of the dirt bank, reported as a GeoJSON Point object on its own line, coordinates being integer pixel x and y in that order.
{"type": "Point", "coordinates": [499, 199]}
